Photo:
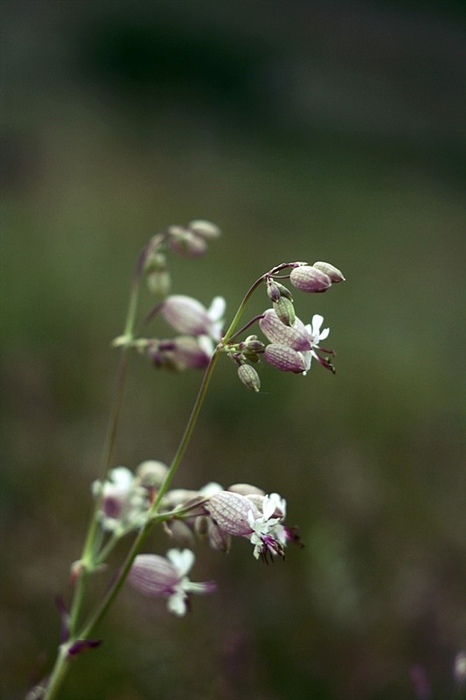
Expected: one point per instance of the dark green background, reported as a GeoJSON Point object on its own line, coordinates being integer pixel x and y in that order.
{"type": "Point", "coordinates": [307, 131]}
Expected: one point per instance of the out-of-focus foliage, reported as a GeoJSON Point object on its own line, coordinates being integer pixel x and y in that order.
{"type": "Point", "coordinates": [307, 131]}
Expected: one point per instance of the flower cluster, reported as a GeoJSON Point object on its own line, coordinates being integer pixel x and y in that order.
{"type": "Point", "coordinates": [126, 497]}
{"type": "Point", "coordinates": [292, 343]}
{"type": "Point", "coordinates": [242, 510]}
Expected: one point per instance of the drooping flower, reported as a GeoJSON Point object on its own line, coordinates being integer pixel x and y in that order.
{"type": "Point", "coordinates": [316, 336]}
{"type": "Point", "coordinates": [292, 347]}
{"type": "Point", "coordinates": [269, 535]}
{"type": "Point", "coordinates": [256, 517]}
{"type": "Point", "coordinates": [295, 336]}
{"type": "Point", "coordinates": [189, 317]}
{"type": "Point", "coordinates": [154, 575]}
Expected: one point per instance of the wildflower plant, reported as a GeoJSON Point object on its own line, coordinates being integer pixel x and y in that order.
{"type": "Point", "coordinates": [129, 504]}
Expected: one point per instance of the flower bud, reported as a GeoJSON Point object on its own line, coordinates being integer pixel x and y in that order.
{"type": "Point", "coordinates": [180, 532]}
{"type": "Point", "coordinates": [218, 538]}
{"type": "Point", "coordinates": [274, 330]}
{"type": "Point", "coordinates": [285, 358]}
{"type": "Point", "coordinates": [285, 311]}
{"type": "Point", "coordinates": [205, 229]}
{"type": "Point", "coordinates": [179, 497]}
{"type": "Point", "coordinates": [273, 291]}
{"type": "Point", "coordinates": [159, 283]}
{"type": "Point", "coordinates": [155, 262]}
{"type": "Point", "coordinates": [309, 279]}
{"type": "Point", "coordinates": [246, 489]}
{"type": "Point", "coordinates": [152, 473]}
{"type": "Point", "coordinates": [186, 242]}
{"type": "Point", "coordinates": [249, 377]}
{"type": "Point", "coordinates": [230, 512]}
{"type": "Point", "coordinates": [334, 273]}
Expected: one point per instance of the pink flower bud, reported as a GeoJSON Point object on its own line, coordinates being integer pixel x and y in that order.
{"type": "Point", "coordinates": [309, 279]}
{"type": "Point", "coordinates": [330, 270]}
{"type": "Point", "coordinates": [185, 242]}
{"type": "Point", "coordinates": [246, 489]}
{"type": "Point", "coordinates": [274, 330]}
{"type": "Point", "coordinates": [230, 512]}
{"type": "Point", "coordinates": [285, 358]}
{"type": "Point", "coordinates": [205, 229]}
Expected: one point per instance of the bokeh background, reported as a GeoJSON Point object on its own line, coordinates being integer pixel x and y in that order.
{"type": "Point", "coordinates": [307, 130]}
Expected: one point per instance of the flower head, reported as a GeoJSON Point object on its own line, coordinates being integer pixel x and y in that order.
{"type": "Point", "coordinates": [154, 575]}
{"type": "Point", "coordinates": [257, 517]}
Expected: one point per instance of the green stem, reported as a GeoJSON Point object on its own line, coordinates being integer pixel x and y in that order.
{"type": "Point", "coordinates": [62, 663]}
{"type": "Point", "coordinates": [58, 674]}
{"type": "Point", "coordinates": [135, 549]}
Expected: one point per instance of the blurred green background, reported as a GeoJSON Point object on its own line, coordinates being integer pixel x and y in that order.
{"type": "Point", "coordinates": [306, 131]}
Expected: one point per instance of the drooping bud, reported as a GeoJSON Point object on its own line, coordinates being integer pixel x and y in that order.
{"type": "Point", "coordinates": [285, 358]}
{"type": "Point", "coordinates": [285, 311]}
{"type": "Point", "coordinates": [230, 511]}
{"type": "Point", "coordinates": [273, 291]}
{"type": "Point", "coordinates": [179, 497]}
{"type": "Point", "coordinates": [205, 229]}
{"type": "Point", "coordinates": [309, 279]}
{"type": "Point", "coordinates": [274, 330]}
{"type": "Point", "coordinates": [159, 283]}
{"type": "Point", "coordinates": [218, 538]}
{"type": "Point", "coordinates": [249, 377]}
{"type": "Point", "coordinates": [180, 532]}
{"type": "Point", "coordinates": [185, 242]}
{"type": "Point", "coordinates": [158, 275]}
{"type": "Point", "coordinates": [330, 270]}
{"type": "Point", "coordinates": [152, 473]}
{"type": "Point", "coordinates": [246, 489]}
{"type": "Point", "coordinates": [284, 291]}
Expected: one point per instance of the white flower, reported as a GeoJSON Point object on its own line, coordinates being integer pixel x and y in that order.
{"type": "Point", "coordinates": [269, 535]}
{"type": "Point", "coordinates": [315, 335]}
{"type": "Point", "coordinates": [124, 501]}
